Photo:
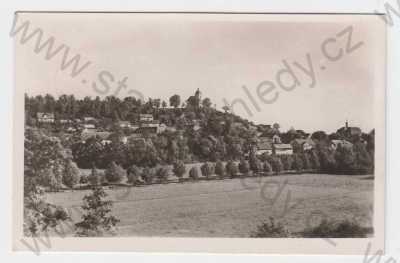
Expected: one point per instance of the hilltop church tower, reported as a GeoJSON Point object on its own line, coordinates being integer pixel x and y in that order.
{"type": "Point", "coordinates": [198, 95]}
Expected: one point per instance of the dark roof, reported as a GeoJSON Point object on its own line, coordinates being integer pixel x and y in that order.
{"type": "Point", "coordinates": [264, 145]}
{"type": "Point", "coordinates": [88, 134]}
{"type": "Point", "coordinates": [146, 129]}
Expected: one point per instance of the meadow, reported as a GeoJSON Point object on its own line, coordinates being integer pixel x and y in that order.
{"type": "Point", "coordinates": [232, 207]}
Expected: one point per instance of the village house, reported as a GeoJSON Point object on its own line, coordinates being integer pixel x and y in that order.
{"type": "Point", "coordinates": [124, 124]}
{"type": "Point", "coordinates": [134, 137]}
{"type": "Point", "coordinates": [88, 119]}
{"type": "Point", "coordinates": [151, 131]}
{"type": "Point", "coordinates": [302, 145]}
{"type": "Point", "coordinates": [153, 123]}
{"type": "Point", "coordinates": [264, 145]}
{"type": "Point", "coordinates": [43, 117]}
{"type": "Point", "coordinates": [282, 149]}
{"type": "Point", "coordinates": [88, 126]}
{"type": "Point", "coordinates": [103, 136]}
{"type": "Point", "coordinates": [71, 129]}
{"type": "Point", "coordinates": [127, 125]}
{"type": "Point", "coordinates": [64, 121]}
{"type": "Point", "coordinates": [146, 117]}
{"type": "Point", "coordinates": [273, 146]}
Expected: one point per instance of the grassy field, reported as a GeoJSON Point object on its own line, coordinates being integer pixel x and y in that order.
{"type": "Point", "coordinates": [233, 207]}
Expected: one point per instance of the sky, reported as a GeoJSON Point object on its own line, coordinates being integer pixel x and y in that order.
{"type": "Point", "coordinates": [273, 66]}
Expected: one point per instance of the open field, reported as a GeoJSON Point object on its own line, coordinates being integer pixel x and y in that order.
{"type": "Point", "coordinates": [233, 207]}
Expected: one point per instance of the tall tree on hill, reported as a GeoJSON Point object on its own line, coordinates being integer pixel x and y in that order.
{"type": "Point", "coordinates": [175, 101]}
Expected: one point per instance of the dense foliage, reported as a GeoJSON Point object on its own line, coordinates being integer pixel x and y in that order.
{"type": "Point", "coordinates": [96, 220]}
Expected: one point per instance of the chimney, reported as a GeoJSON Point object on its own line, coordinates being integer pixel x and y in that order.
{"type": "Point", "coordinates": [347, 125]}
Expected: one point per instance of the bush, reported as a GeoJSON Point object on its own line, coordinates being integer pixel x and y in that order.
{"type": "Point", "coordinates": [255, 164]}
{"type": "Point", "coordinates": [314, 159]}
{"type": "Point", "coordinates": [306, 161]}
{"type": "Point", "coordinates": [220, 169]}
{"type": "Point", "coordinates": [193, 173]}
{"type": "Point", "coordinates": [162, 174]}
{"type": "Point", "coordinates": [244, 167]}
{"type": "Point", "coordinates": [231, 169]}
{"type": "Point", "coordinates": [114, 173]}
{"type": "Point", "coordinates": [179, 169]}
{"type": "Point", "coordinates": [95, 178]}
{"type": "Point", "coordinates": [148, 175]}
{"type": "Point", "coordinates": [133, 174]}
{"type": "Point", "coordinates": [207, 169]}
{"type": "Point", "coordinates": [267, 167]}
{"type": "Point", "coordinates": [84, 179]}
{"type": "Point", "coordinates": [332, 229]}
{"type": "Point", "coordinates": [271, 229]}
{"type": "Point", "coordinates": [276, 164]}
{"type": "Point", "coordinates": [287, 162]}
{"type": "Point", "coordinates": [297, 162]}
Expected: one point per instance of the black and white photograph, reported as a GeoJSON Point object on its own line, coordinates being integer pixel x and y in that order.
{"type": "Point", "coordinates": [265, 130]}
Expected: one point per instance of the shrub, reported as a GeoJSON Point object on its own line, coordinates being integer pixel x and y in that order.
{"type": "Point", "coordinates": [133, 174]}
{"type": "Point", "coordinates": [148, 175]}
{"type": "Point", "coordinates": [332, 229]}
{"type": "Point", "coordinates": [306, 161]}
{"type": "Point", "coordinates": [114, 173]}
{"type": "Point", "coordinates": [276, 164]}
{"type": "Point", "coordinates": [95, 178]}
{"type": "Point", "coordinates": [264, 157]}
{"type": "Point", "coordinates": [244, 167]}
{"type": "Point", "coordinates": [207, 169]}
{"type": "Point", "coordinates": [232, 169]}
{"type": "Point", "coordinates": [71, 174]}
{"type": "Point", "coordinates": [271, 229]}
{"type": "Point", "coordinates": [96, 221]}
{"type": "Point", "coordinates": [84, 179]}
{"type": "Point", "coordinates": [314, 159]}
{"type": "Point", "coordinates": [162, 174]}
{"type": "Point", "coordinates": [193, 173]}
{"type": "Point", "coordinates": [179, 169]}
{"type": "Point", "coordinates": [297, 162]}
{"type": "Point", "coordinates": [267, 167]}
{"type": "Point", "coordinates": [287, 162]}
{"type": "Point", "coordinates": [255, 164]}
{"type": "Point", "coordinates": [220, 169]}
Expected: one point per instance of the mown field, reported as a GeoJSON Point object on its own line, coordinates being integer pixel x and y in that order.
{"type": "Point", "coordinates": [232, 207]}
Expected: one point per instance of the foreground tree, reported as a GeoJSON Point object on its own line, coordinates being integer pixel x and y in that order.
{"type": "Point", "coordinates": [97, 220]}
{"type": "Point", "coordinates": [44, 158]}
